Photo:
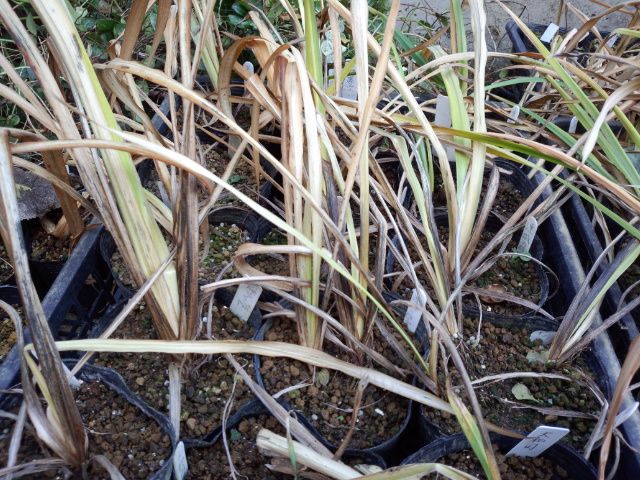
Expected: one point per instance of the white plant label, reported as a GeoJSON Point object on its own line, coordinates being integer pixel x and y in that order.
{"type": "Point", "coordinates": [413, 315]}
{"type": "Point", "coordinates": [349, 89]}
{"type": "Point", "coordinates": [538, 441]}
{"type": "Point", "coordinates": [443, 112]}
{"type": "Point", "coordinates": [573, 125]}
{"type": "Point", "coordinates": [528, 234]}
{"type": "Point", "coordinates": [549, 33]}
{"type": "Point", "coordinates": [514, 114]}
{"type": "Point", "coordinates": [249, 66]}
{"type": "Point", "coordinates": [545, 336]}
{"type": "Point", "coordinates": [443, 119]}
{"type": "Point", "coordinates": [326, 47]}
{"type": "Point", "coordinates": [245, 300]}
{"type": "Point", "coordinates": [180, 466]}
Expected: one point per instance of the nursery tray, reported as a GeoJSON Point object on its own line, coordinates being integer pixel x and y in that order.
{"type": "Point", "coordinates": [564, 259]}
{"type": "Point", "coordinates": [79, 295]}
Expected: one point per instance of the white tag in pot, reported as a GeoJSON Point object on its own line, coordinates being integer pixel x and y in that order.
{"type": "Point", "coordinates": [245, 300]}
{"type": "Point", "coordinates": [549, 33]}
{"type": "Point", "coordinates": [538, 441]}
{"type": "Point", "coordinates": [180, 466]}
{"type": "Point", "coordinates": [413, 315]}
{"type": "Point", "coordinates": [528, 235]}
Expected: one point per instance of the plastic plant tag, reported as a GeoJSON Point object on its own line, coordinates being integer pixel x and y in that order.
{"type": "Point", "coordinates": [248, 66]}
{"type": "Point", "coordinates": [245, 300]}
{"type": "Point", "coordinates": [549, 33]}
{"type": "Point", "coordinates": [514, 114]}
{"type": "Point", "coordinates": [573, 125]}
{"type": "Point", "coordinates": [528, 234]}
{"type": "Point", "coordinates": [349, 89]}
{"type": "Point", "coordinates": [545, 336]}
{"type": "Point", "coordinates": [443, 119]}
{"type": "Point", "coordinates": [413, 315]}
{"type": "Point", "coordinates": [538, 441]}
{"type": "Point", "coordinates": [180, 466]}
{"type": "Point", "coordinates": [326, 47]}
{"type": "Point", "coordinates": [443, 112]}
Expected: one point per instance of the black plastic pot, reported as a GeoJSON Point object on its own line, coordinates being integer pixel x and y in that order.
{"type": "Point", "coordinates": [78, 296]}
{"type": "Point", "coordinates": [521, 44]}
{"type": "Point", "coordinates": [256, 227]}
{"type": "Point", "coordinates": [386, 450]}
{"type": "Point", "coordinates": [493, 224]}
{"type": "Point", "coordinates": [561, 455]}
{"type": "Point", "coordinates": [109, 377]}
{"type": "Point", "coordinates": [428, 431]}
{"type": "Point", "coordinates": [256, 408]}
{"type": "Point", "coordinates": [223, 297]}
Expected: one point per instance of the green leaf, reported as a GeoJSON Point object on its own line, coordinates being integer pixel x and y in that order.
{"type": "Point", "coordinates": [538, 357]}
{"type": "Point", "coordinates": [105, 25]}
{"type": "Point", "coordinates": [233, 179]}
{"type": "Point", "coordinates": [235, 20]}
{"type": "Point", "coordinates": [521, 392]}
{"type": "Point", "coordinates": [240, 8]}
{"type": "Point", "coordinates": [234, 435]}
{"type": "Point", "coordinates": [118, 29]}
{"type": "Point", "coordinates": [31, 25]}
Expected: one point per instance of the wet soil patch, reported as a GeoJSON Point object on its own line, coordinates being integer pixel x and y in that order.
{"type": "Point", "coordinates": [511, 468]}
{"type": "Point", "coordinates": [207, 382]}
{"type": "Point", "coordinates": [133, 442]}
{"type": "Point", "coordinates": [504, 350]}
{"type": "Point", "coordinates": [327, 398]}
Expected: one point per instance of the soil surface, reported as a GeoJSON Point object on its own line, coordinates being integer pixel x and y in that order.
{"type": "Point", "coordinates": [212, 463]}
{"type": "Point", "coordinates": [511, 468]}
{"type": "Point", "coordinates": [6, 269]}
{"type": "Point", "coordinates": [7, 332]}
{"type": "Point", "coordinates": [133, 442]}
{"type": "Point", "coordinates": [504, 350]}
{"type": "Point", "coordinates": [327, 397]}
{"type": "Point", "coordinates": [243, 177]}
{"type": "Point", "coordinates": [47, 248]}
{"type": "Point", "coordinates": [207, 383]}
{"type": "Point", "coordinates": [224, 240]}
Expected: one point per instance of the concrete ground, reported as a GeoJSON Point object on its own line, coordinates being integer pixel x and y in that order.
{"type": "Point", "coordinates": [419, 12]}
